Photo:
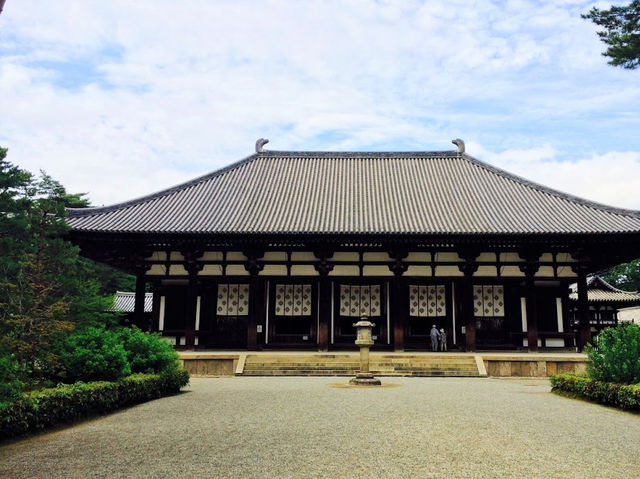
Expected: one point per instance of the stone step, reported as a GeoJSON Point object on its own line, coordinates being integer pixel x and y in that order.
{"type": "Point", "coordinates": [329, 372]}
{"type": "Point", "coordinates": [348, 364]}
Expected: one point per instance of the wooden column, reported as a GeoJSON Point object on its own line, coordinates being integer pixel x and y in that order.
{"type": "Point", "coordinates": [399, 298]}
{"type": "Point", "coordinates": [138, 309]}
{"type": "Point", "coordinates": [530, 268]}
{"type": "Point", "coordinates": [193, 266]}
{"type": "Point", "coordinates": [469, 267]}
{"type": "Point", "coordinates": [155, 308]}
{"type": "Point", "coordinates": [256, 296]}
{"type": "Point", "coordinates": [584, 334]}
{"type": "Point", "coordinates": [324, 314]}
{"type": "Point", "coordinates": [324, 267]}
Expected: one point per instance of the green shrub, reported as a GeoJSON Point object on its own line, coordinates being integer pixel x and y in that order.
{"type": "Point", "coordinates": [10, 384]}
{"type": "Point", "coordinates": [41, 409]}
{"type": "Point", "coordinates": [623, 396]}
{"type": "Point", "coordinates": [616, 356]}
{"type": "Point", "coordinates": [147, 352]}
{"type": "Point", "coordinates": [94, 354]}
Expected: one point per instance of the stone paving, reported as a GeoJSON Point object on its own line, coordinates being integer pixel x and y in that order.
{"type": "Point", "coordinates": [302, 427]}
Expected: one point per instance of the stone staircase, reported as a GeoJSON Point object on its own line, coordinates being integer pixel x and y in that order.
{"type": "Point", "coordinates": [347, 364]}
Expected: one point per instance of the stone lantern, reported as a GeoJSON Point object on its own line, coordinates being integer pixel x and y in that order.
{"type": "Point", "coordinates": [364, 341]}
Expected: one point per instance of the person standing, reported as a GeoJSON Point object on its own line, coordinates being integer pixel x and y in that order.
{"type": "Point", "coordinates": [443, 340]}
{"type": "Point", "coordinates": [434, 335]}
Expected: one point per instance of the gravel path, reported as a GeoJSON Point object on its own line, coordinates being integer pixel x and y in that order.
{"type": "Point", "coordinates": [304, 428]}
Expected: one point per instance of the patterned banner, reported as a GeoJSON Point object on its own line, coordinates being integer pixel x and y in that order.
{"type": "Point", "coordinates": [488, 300]}
{"type": "Point", "coordinates": [233, 300]}
{"type": "Point", "coordinates": [293, 300]}
{"type": "Point", "coordinates": [427, 300]}
{"type": "Point", "coordinates": [359, 301]}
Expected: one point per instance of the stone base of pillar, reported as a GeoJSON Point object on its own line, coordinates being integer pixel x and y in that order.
{"type": "Point", "coordinates": [365, 379]}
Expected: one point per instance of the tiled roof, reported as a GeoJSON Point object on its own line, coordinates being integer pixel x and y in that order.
{"type": "Point", "coordinates": [598, 290]}
{"type": "Point", "coordinates": [359, 193]}
{"type": "Point", "coordinates": [125, 301]}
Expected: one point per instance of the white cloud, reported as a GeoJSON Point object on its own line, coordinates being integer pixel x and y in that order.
{"type": "Point", "coordinates": [123, 98]}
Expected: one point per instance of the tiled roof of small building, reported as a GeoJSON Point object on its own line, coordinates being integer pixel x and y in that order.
{"type": "Point", "coordinates": [357, 193]}
{"type": "Point", "coordinates": [599, 291]}
{"type": "Point", "coordinates": [125, 301]}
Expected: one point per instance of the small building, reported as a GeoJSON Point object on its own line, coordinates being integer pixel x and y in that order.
{"type": "Point", "coordinates": [124, 302]}
{"type": "Point", "coordinates": [629, 315]}
{"type": "Point", "coordinates": [605, 303]}
{"type": "Point", "coordinates": [287, 249]}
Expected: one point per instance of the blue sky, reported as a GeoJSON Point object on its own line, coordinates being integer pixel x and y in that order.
{"type": "Point", "coordinates": [120, 99]}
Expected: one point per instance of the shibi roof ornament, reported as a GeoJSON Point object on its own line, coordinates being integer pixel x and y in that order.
{"type": "Point", "coordinates": [459, 143]}
{"type": "Point", "coordinates": [260, 144]}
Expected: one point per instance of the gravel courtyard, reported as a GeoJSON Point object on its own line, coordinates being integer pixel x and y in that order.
{"type": "Point", "coordinates": [304, 427]}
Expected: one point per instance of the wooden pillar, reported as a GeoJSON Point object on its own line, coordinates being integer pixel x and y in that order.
{"type": "Point", "coordinates": [399, 298]}
{"type": "Point", "coordinates": [324, 314]}
{"type": "Point", "coordinates": [532, 314]}
{"type": "Point", "coordinates": [398, 312]}
{"type": "Point", "coordinates": [324, 267]}
{"type": "Point", "coordinates": [138, 309]}
{"type": "Point", "coordinates": [191, 308]}
{"type": "Point", "coordinates": [530, 268]}
{"type": "Point", "coordinates": [584, 331]}
{"type": "Point", "coordinates": [155, 307]}
{"type": "Point", "coordinates": [468, 318]}
{"type": "Point", "coordinates": [193, 266]}
{"type": "Point", "coordinates": [256, 296]}
{"type": "Point", "coordinates": [468, 268]}
{"type": "Point", "coordinates": [255, 310]}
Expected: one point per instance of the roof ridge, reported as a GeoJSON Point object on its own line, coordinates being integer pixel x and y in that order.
{"type": "Point", "coordinates": [551, 191]}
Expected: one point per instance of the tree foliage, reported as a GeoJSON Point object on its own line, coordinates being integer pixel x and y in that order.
{"type": "Point", "coordinates": [625, 276]}
{"type": "Point", "coordinates": [621, 33]}
{"type": "Point", "coordinates": [46, 289]}
{"type": "Point", "coordinates": [616, 356]}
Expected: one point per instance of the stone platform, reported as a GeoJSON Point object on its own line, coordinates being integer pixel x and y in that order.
{"type": "Point", "coordinates": [296, 363]}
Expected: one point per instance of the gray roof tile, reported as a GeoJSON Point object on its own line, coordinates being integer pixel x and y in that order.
{"type": "Point", "coordinates": [358, 192]}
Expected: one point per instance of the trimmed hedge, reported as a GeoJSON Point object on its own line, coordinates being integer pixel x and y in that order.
{"type": "Point", "coordinates": [38, 410]}
{"type": "Point", "coordinates": [623, 396]}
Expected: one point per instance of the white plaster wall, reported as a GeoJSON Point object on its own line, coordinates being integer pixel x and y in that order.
{"type": "Point", "coordinates": [418, 271]}
{"type": "Point", "coordinates": [211, 270]}
{"type": "Point", "coordinates": [512, 271]}
{"type": "Point", "coordinates": [448, 271]}
{"type": "Point", "coordinates": [275, 256]}
{"type": "Point", "coordinates": [274, 270]}
{"type": "Point", "coordinates": [486, 257]}
{"type": "Point", "coordinates": [236, 270]}
{"type": "Point", "coordinates": [344, 270]}
{"type": "Point", "coordinates": [447, 256]}
{"type": "Point", "coordinates": [346, 256]}
{"type": "Point", "coordinates": [486, 271]}
{"type": "Point", "coordinates": [511, 257]}
{"type": "Point", "coordinates": [177, 270]}
{"type": "Point", "coordinates": [157, 270]}
{"type": "Point", "coordinates": [375, 256]}
{"type": "Point", "coordinates": [376, 270]}
{"type": "Point", "coordinates": [418, 256]}
{"type": "Point", "coordinates": [303, 270]}
{"type": "Point", "coordinates": [545, 272]}
{"type": "Point", "coordinates": [303, 256]}
{"type": "Point", "coordinates": [212, 256]}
